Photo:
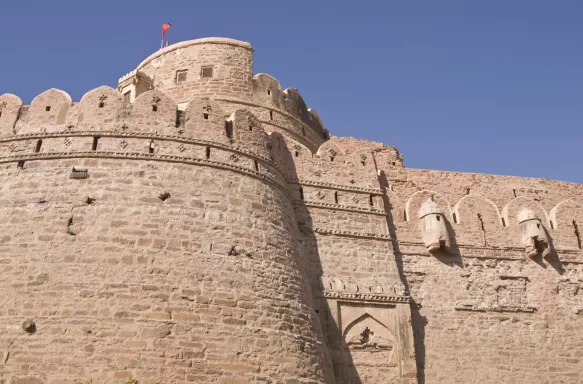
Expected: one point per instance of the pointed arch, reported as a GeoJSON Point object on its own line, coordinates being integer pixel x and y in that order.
{"type": "Point", "coordinates": [480, 222]}
{"type": "Point", "coordinates": [567, 219]}
{"type": "Point", "coordinates": [331, 152]}
{"type": "Point", "coordinates": [515, 205]}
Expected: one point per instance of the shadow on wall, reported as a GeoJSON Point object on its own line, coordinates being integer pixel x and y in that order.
{"type": "Point", "coordinates": [324, 317]}
{"type": "Point", "coordinates": [419, 321]}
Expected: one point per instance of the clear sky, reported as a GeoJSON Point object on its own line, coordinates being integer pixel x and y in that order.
{"type": "Point", "coordinates": [478, 86]}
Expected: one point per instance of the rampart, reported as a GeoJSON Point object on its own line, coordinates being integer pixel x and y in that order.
{"type": "Point", "coordinates": [209, 230]}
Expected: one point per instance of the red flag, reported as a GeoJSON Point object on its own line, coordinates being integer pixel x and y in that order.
{"type": "Point", "coordinates": [165, 27]}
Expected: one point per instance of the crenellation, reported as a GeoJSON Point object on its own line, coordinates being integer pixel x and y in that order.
{"type": "Point", "coordinates": [199, 224]}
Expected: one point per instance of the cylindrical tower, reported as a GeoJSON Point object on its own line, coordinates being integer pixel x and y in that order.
{"type": "Point", "coordinates": [139, 245]}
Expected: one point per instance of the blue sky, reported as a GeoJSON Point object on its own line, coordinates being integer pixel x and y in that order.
{"type": "Point", "coordinates": [477, 86]}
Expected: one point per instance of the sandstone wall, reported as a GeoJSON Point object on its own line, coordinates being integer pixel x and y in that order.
{"type": "Point", "coordinates": [140, 249]}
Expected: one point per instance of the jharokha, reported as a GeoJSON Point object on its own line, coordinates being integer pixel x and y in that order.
{"type": "Point", "coordinates": [198, 224]}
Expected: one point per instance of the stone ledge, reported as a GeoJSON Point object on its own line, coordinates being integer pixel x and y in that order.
{"type": "Point", "coordinates": [317, 204]}
{"type": "Point", "coordinates": [376, 192]}
{"type": "Point", "coordinates": [370, 297]}
{"type": "Point", "coordinates": [364, 235]}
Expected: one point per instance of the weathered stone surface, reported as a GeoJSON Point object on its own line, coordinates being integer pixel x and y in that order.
{"type": "Point", "coordinates": [202, 226]}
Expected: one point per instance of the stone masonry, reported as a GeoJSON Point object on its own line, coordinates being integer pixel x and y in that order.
{"type": "Point", "coordinates": [199, 225]}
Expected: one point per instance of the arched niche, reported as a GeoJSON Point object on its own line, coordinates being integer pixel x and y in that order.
{"type": "Point", "coordinates": [417, 199]}
{"type": "Point", "coordinates": [567, 220]}
{"type": "Point", "coordinates": [370, 351]}
{"type": "Point", "coordinates": [154, 112]}
{"type": "Point", "coordinates": [510, 217]}
{"type": "Point", "coordinates": [204, 118]}
{"type": "Point", "coordinates": [480, 222]}
{"type": "Point", "coordinates": [100, 109]}
{"type": "Point", "coordinates": [48, 111]}
{"type": "Point", "coordinates": [9, 110]}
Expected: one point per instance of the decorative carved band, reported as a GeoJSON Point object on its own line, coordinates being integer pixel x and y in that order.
{"type": "Point", "coordinates": [364, 235]}
{"type": "Point", "coordinates": [341, 187]}
{"type": "Point", "coordinates": [501, 308]}
{"type": "Point", "coordinates": [144, 156]}
{"type": "Point", "coordinates": [365, 297]}
{"type": "Point", "coordinates": [140, 135]}
{"type": "Point", "coordinates": [338, 207]}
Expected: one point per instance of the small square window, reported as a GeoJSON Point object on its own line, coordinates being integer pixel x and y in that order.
{"type": "Point", "coordinates": [48, 108]}
{"type": "Point", "coordinates": [181, 76]}
{"type": "Point", "coordinates": [206, 71]}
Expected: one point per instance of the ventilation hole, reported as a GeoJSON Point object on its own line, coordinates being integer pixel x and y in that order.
{"type": "Point", "coordinates": [154, 108]}
{"type": "Point", "coordinates": [538, 226]}
{"type": "Point", "coordinates": [250, 128]}
{"type": "Point", "coordinates": [206, 71]}
{"type": "Point", "coordinates": [256, 165]}
{"type": "Point", "coordinates": [514, 192]}
{"type": "Point", "coordinates": [90, 201]}
{"type": "Point", "coordinates": [363, 162]}
{"type": "Point", "coordinates": [438, 218]}
{"type": "Point", "coordinates": [317, 311]}
{"type": "Point", "coordinates": [269, 91]}
{"type": "Point", "coordinates": [336, 197]}
{"type": "Point", "coordinates": [371, 200]}
{"type": "Point", "coordinates": [164, 196]}
{"type": "Point", "coordinates": [229, 129]}
{"type": "Point", "coordinates": [296, 153]}
{"type": "Point", "coordinates": [503, 222]}
{"type": "Point", "coordinates": [284, 96]}
{"type": "Point", "coordinates": [208, 152]}
{"type": "Point", "coordinates": [405, 215]}
{"type": "Point", "coordinates": [301, 193]}
{"type": "Point", "coordinates": [454, 218]}
{"type": "Point", "coordinates": [205, 116]}
{"type": "Point", "coordinates": [39, 144]}
{"type": "Point", "coordinates": [95, 142]}
{"type": "Point", "coordinates": [48, 108]}
{"type": "Point", "coordinates": [151, 148]}
{"type": "Point", "coordinates": [0, 113]}
{"type": "Point", "coordinates": [331, 158]}
{"type": "Point", "coordinates": [181, 76]}
{"type": "Point", "coordinates": [20, 164]}
{"type": "Point", "coordinates": [101, 105]}
{"type": "Point", "coordinates": [270, 115]}
{"type": "Point", "coordinates": [179, 118]}
{"type": "Point", "coordinates": [467, 191]}
{"type": "Point", "coordinates": [303, 131]}
{"type": "Point", "coordinates": [552, 225]}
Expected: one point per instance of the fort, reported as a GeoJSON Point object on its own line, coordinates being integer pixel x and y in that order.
{"type": "Point", "coordinates": [198, 224]}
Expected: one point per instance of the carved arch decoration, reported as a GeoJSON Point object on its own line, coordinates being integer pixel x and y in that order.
{"type": "Point", "coordinates": [100, 110]}
{"type": "Point", "coordinates": [480, 222]}
{"type": "Point", "coordinates": [154, 112]}
{"type": "Point", "coordinates": [48, 112]}
{"type": "Point", "coordinates": [9, 111]}
{"type": "Point", "coordinates": [567, 220]}
{"type": "Point", "coordinates": [370, 349]}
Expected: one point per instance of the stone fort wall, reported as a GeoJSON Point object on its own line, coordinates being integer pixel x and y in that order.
{"type": "Point", "coordinates": [214, 232]}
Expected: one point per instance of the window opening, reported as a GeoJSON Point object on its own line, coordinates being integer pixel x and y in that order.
{"type": "Point", "coordinates": [39, 144]}
{"type": "Point", "coordinates": [206, 71]}
{"type": "Point", "coordinates": [95, 142]}
{"type": "Point", "coordinates": [181, 76]}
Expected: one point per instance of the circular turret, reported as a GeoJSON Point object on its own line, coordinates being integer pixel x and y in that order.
{"type": "Point", "coordinates": [213, 66]}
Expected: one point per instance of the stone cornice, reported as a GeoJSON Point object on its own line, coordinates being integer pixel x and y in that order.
{"type": "Point", "coordinates": [363, 235]}
{"type": "Point", "coordinates": [365, 297]}
{"type": "Point", "coordinates": [338, 207]}
{"type": "Point", "coordinates": [341, 187]}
